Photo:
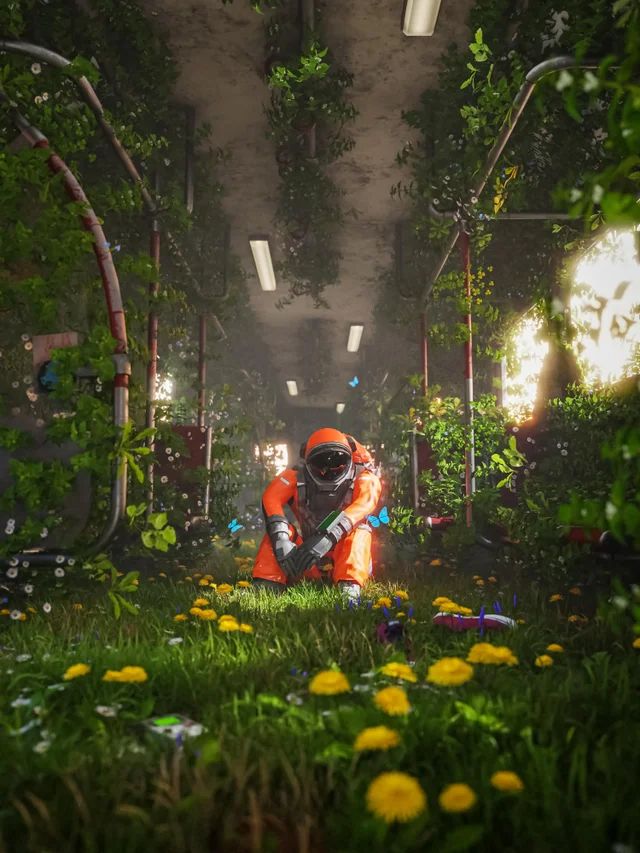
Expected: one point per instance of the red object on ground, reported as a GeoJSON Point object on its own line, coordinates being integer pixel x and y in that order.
{"type": "Point", "coordinates": [491, 622]}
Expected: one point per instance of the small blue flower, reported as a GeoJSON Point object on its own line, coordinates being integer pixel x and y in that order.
{"type": "Point", "coordinates": [497, 607]}
{"type": "Point", "coordinates": [515, 601]}
{"type": "Point", "coordinates": [386, 612]}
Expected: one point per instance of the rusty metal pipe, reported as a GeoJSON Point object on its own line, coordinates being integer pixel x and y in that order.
{"type": "Point", "coordinates": [533, 77]}
{"type": "Point", "coordinates": [117, 326]}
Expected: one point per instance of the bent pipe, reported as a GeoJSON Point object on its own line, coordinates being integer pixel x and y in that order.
{"type": "Point", "coordinates": [93, 102]}
{"type": "Point", "coordinates": [549, 66]}
{"type": "Point", "coordinates": [117, 326]}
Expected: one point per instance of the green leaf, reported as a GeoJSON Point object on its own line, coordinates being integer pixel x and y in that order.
{"type": "Point", "coordinates": [462, 838]}
{"type": "Point", "coordinates": [116, 604]}
{"type": "Point", "coordinates": [158, 519]}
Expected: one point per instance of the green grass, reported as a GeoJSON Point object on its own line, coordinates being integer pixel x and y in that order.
{"type": "Point", "coordinates": [275, 770]}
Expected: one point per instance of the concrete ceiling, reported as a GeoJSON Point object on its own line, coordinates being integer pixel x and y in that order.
{"type": "Point", "coordinates": [220, 51]}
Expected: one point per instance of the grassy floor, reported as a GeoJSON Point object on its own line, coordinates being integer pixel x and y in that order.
{"type": "Point", "coordinates": [276, 769]}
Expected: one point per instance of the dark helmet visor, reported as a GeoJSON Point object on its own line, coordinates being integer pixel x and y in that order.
{"type": "Point", "coordinates": [329, 465]}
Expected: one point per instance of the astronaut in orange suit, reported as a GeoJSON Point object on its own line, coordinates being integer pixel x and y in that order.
{"type": "Point", "coordinates": [337, 476]}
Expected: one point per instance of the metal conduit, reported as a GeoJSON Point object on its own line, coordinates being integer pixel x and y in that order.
{"type": "Point", "coordinates": [117, 326]}
{"type": "Point", "coordinates": [89, 94]}
{"type": "Point", "coordinates": [549, 66]}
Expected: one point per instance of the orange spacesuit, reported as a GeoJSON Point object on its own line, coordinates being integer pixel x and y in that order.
{"type": "Point", "coordinates": [336, 484]}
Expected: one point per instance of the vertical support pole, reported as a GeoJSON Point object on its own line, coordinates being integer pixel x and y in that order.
{"type": "Point", "coordinates": [500, 380]}
{"type": "Point", "coordinates": [424, 351]}
{"type": "Point", "coordinates": [189, 152]}
{"type": "Point", "coordinates": [413, 470]}
{"type": "Point", "coordinates": [152, 344]}
{"type": "Point", "coordinates": [202, 367]}
{"type": "Point", "coordinates": [207, 465]}
{"type": "Point", "coordinates": [470, 452]}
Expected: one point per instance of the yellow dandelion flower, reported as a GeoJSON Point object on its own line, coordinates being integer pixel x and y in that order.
{"type": "Point", "coordinates": [492, 579]}
{"type": "Point", "coordinates": [544, 660]}
{"type": "Point", "coordinates": [224, 588]}
{"type": "Point", "coordinates": [162, 574]}
{"type": "Point", "coordinates": [203, 582]}
{"type": "Point", "coordinates": [197, 574]}
{"type": "Point", "coordinates": [636, 643]}
{"type": "Point", "coordinates": [246, 629]}
{"type": "Point", "coordinates": [188, 578]}
{"type": "Point", "coordinates": [452, 607]}
{"type": "Point", "coordinates": [180, 617]}
{"type": "Point", "coordinates": [243, 584]}
{"type": "Point", "coordinates": [449, 672]}
{"type": "Point", "coordinates": [555, 647]}
{"type": "Point", "coordinates": [32, 610]}
{"type": "Point", "coordinates": [396, 796]}
{"type": "Point", "coordinates": [488, 654]}
{"type": "Point", "coordinates": [440, 600]}
{"type": "Point", "coordinates": [479, 582]}
{"type": "Point", "coordinates": [555, 597]}
{"type": "Point", "coordinates": [208, 615]}
{"type": "Point", "coordinates": [385, 601]}
{"type": "Point", "coordinates": [575, 590]}
{"type": "Point", "coordinates": [126, 675]}
{"type": "Point", "coordinates": [76, 671]}
{"type": "Point", "coordinates": [457, 797]}
{"type": "Point", "coordinates": [201, 602]}
{"type": "Point", "coordinates": [376, 737]}
{"type": "Point", "coordinates": [508, 781]}
{"type": "Point", "coordinates": [4, 612]}
{"type": "Point", "coordinates": [399, 670]}
{"type": "Point", "coordinates": [195, 611]}
{"type": "Point", "coordinates": [209, 577]}
{"type": "Point", "coordinates": [329, 682]}
{"type": "Point", "coordinates": [78, 606]}
{"type": "Point", "coordinates": [402, 594]}
{"type": "Point", "coordinates": [436, 562]}
{"type": "Point", "coordinates": [401, 615]}
{"type": "Point", "coordinates": [577, 620]}
{"type": "Point", "coordinates": [229, 624]}
{"type": "Point", "coordinates": [476, 578]}
{"type": "Point", "coordinates": [393, 701]}
{"type": "Point", "coordinates": [22, 617]}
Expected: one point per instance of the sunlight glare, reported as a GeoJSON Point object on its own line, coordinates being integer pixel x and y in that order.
{"type": "Point", "coordinates": [605, 306]}
{"type": "Point", "coordinates": [519, 395]}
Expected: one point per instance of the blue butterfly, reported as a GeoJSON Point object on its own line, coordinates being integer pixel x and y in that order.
{"type": "Point", "coordinates": [234, 526]}
{"type": "Point", "coordinates": [353, 382]}
{"type": "Point", "coordinates": [383, 517]}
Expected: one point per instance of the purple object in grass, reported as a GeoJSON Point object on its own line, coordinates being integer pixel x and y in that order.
{"type": "Point", "coordinates": [398, 601]}
{"type": "Point", "coordinates": [386, 612]}
{"type": "Point", "coordinates": [293, 670]}
{"type": "Point", "coordinates": [481, 621]}
{"type": "Point", "coordinates": [410, 612]}
{"type": "Point", "coordinates": [497, 608]}
{"type": "Point", "coordinates": [179, 739]}
{"type": "Point", "coordinates": [369, 604]}
{"type": "Point", "coordinates": [515, 601]}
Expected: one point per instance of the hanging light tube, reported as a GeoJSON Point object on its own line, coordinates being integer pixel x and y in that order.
{"type": "Point", "coordinates": [355, 336]}
{"type": "Point", "coordinates": [264, 266]}
{"type": "Point", "coordinates": [292, 387]}
{"type": "Point", "coordinates": [420, 17]}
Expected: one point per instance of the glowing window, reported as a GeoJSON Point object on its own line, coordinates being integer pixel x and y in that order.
{"type": "Point", "coordinates": [605, 307]}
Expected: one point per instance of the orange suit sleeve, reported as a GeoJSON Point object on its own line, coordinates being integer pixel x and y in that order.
{"type": "Point", "coordinates": [366, 494]}
{"type": "Point", "coordinates": [279, 492]}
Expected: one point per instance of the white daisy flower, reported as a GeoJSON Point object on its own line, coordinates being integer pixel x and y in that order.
{"type": "Point", "coordinates": [36, 68]}
{"type": "Point", "coordinates": [28, 588]}
{"type": "Point", "coordinates": [15, 614]}
{"type": "Point", "coordinates": [23, 658]}
{"type": "Point", "coordinates": [12, 573]}
{"type": "Point", "coordinates": [42, 746]}
{"type": "Point", "coordinates": [46, 607]}
{"type": "Point", "coordinates": [59, 572]}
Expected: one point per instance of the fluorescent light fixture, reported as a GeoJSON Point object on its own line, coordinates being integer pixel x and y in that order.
{"type": "Point", "coordinates": [420, 17]}
{"type": "Point", "coordinates": [292, 387]}
{"type": "Point", "coordinates": [262, 258]}
{"type": "Point", "coordinates": [339, 408]}
{"type": "Point", "coordinates": [355, 336]}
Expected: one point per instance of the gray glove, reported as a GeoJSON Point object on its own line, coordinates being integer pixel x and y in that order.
{"type": "Point", "coordinates": [312, 550]}
{"type": "Point", "coordinates": [286, 554]}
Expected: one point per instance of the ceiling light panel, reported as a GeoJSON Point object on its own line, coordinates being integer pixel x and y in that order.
{"type": "Point", "coordinates": [420, 17]}
{"type": "Point", "coordinates": [264, 266]}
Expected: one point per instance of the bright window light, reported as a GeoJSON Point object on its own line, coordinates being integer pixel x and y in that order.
{"type": "Point", "coordinates": [292, 387]}
{"type": "Point", "coordinates": [164, 388]}
{"type": "Point", "coordinates": [355, 336]}
{"type": "Point", "coordinates": [420, 17]}
{"type": "Point", "coordinates": [605, 308]}
{"type": "Point", "coordinates": [339, 408]}
{"type": "Point", "coordinates": [262, 258]}
{"type": "Point", "coordinates": [276, 456]}
{"type": "Point", "coordinates": [521, 388]}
